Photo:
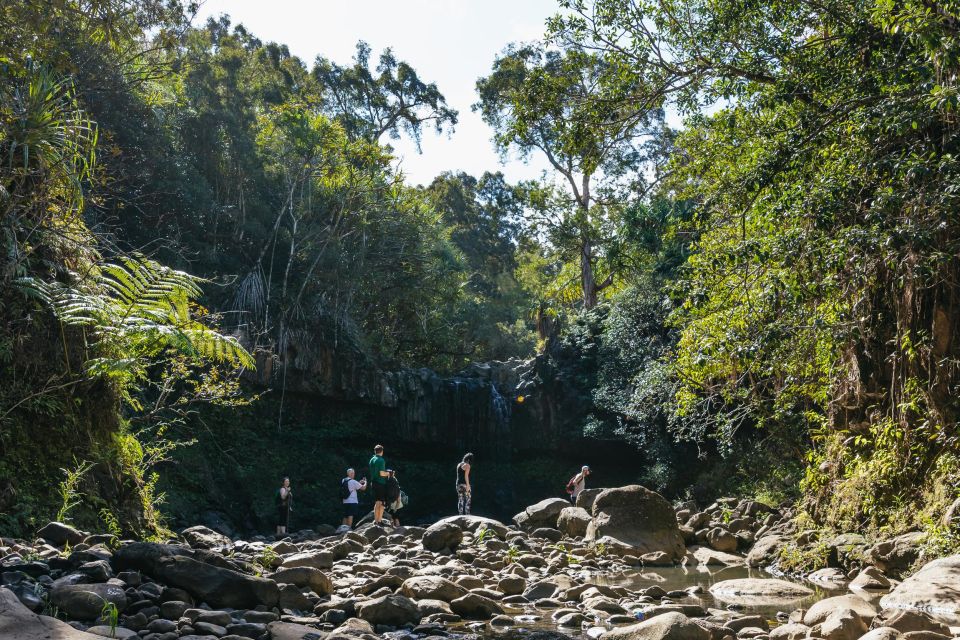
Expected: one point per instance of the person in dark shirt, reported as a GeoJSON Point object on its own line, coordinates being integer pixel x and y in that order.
{"type": "Point", "coordinates": [284, 505]}
{"type": "Point", "coordinates": [378, 479]}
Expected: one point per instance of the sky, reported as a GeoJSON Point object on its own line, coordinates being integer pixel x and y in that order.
{"type": "Point", "coordinates": [448, 42]}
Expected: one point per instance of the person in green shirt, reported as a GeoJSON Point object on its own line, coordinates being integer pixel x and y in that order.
{"type": "Point", "coordinates": [378, 477]}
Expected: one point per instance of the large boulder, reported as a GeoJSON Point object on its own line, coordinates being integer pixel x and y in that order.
{"type": "Point", "coordinates": [841, 624]}
{"type": "Point", "coordinates": [473, 524]}
{"type": "Point", "coordinates": [214, 585]}
{"type": "Point", "coordinates": [293, 631]}
{"type": "Point", "coordinates": [305, 577]}
{"type": "Point", "coordinates": [315, 559]}
{"type": "Point", "coordinates": [765, 551]}
{"type": "Point", "coordinates": [666, 626]}
{"type": "Point", "coordinates": [772, 588]}
{"type": "Point", "coordinates": [935, 588]}
{"type": "Point", "coordinates": [58, 533]}
{"type": "Point", "coordinates": [541, 514]}
{"type": "Point", "coordinates": [202, 537]}
{"type": "Point", "coordinates": [895, 556]}
{"type": "Point", "coordinates": [639, 518]}
{"type": "Point", "coordinates": [394, 610]}
{"type": "Point", "coordinates": [442, 535]}
{"type": "Point", "coordinates": [586, 498]}
{"type": "Point", "coordinates": [821, 610]}
{"type": "Point", "coordinates": [474, 605]}
{"type": "Point", "coordinates": [573, 521]}
{"type": "Point", "coordinates": [86, 601]}
{"type": "Point", "coordinates": [431, 588]}
{"type": "Point", "coordinates": [19, 623]}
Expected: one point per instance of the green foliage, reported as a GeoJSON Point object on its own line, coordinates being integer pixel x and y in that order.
{"type": "Point", "coordinates": [69, 495]}
{"type": "Point", "coordinates": [111, 615]}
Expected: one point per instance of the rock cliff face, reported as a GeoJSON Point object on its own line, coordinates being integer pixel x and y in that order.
{"type": "Point", "coordinates": [471, 410]}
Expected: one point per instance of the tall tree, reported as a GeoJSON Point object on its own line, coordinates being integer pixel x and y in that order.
{"type": "Point", "coordinates": [385, 101]}
{"type": "Point", "coordinates": [547, 101]}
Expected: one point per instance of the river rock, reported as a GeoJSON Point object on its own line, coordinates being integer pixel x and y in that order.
{"type": "Point", "coordinates": [586, 497]}
{"type": "Point", "coordinates": [205, 582]}
{"type": "Point", "coordinates": [760, 587]}
{"type": "Point", "coordinates": [431, 588]}
{"type": "Point", "coordinates": [721, 540]}
{"type": "Point", "coordinates": [790, 631]}
{"type": "Point", "coordinates": [59, 534]}
{"type": "Point", "coordinates": [19, 623]}
{"type": "Point", "coordinates": [935, 588]}
{"type": "Point", "coordinates": [765, 550]}
{"type": "Point", "coordinates": [906, 621]}
{"type": "Point", "coordinates": [305, 577]}
{"type": "Point", "coordinates": [512, 585]}
{"type": "Point", "coordinates": [314, 559]}
{"type": "Point", "coordinates": [86, 601]}
{"type": "Point", "coordinates": [870, 579]}
{"type": "Point", "coordinates": [473, 605]}
{"type": "Point", "coordinates": [637, 517]}
{"type": "Point", "coordinates": [897, 555]}
{"type": "Point", "coordinates": [202, 537]}
{"type": "Point", "coordinates": [541, 514]}
{"type": "Point", "coordinates": [666, 626]}
{"type": "Point", "coordinates": [292, 631]}
{"type": "Point", "coordinates": [711, 558]}
{"type": "Point", "coordinates": [394, 610]}
{"type": "Point", "coordinates": [474, 524]}
{"type": "Point", "coordinates": [819, 611]}
{"type": "Point", "coordinates": [881, 633]}
{"type": "Point", "coordinates": [573, 521]}
{"type": "Point", "coordinates": [117, 633]}
{"type": "Point", "coordinates": [442, 535]}
{"type": "Point", "coordinates": [841, 624]}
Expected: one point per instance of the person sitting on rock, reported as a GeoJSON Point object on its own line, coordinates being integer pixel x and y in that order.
{"type": "Point", "coordinates": [578, 483]}
{"type": "Point", "coordinates": [351, 503]}
{"type": "Point", "coordinates": [463, 485]}
{"type": "Point", "coordinates": [284, 507]}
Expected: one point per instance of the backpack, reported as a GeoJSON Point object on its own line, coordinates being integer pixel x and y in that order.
{"type": "Point", "coordinates": [393, 489]}
{"type": "Point", "coordinates": [345, 488]}
{"type": "Point", "coordinates": [572, 484]}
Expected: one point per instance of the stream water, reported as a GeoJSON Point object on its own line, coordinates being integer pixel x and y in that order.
{"type": "Point", "coordinates": [682, 578]}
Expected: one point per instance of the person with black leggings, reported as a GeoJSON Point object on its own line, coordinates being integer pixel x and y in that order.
{"type": "Point", "coordinates": [463, 485]}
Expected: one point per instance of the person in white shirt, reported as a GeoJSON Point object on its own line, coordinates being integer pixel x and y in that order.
{"type": "Point", "coordinates": [351, 503]}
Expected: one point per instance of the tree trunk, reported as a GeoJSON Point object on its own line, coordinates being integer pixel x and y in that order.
{"type": "Point", "coordinates": [586, 274]}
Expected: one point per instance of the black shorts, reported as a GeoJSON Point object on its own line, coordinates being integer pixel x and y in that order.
{"type": "Point", "coordinates": [351, 509]}
{"type": "Point", "coordinates": [380, 492]}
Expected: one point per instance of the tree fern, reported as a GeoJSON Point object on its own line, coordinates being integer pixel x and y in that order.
{"type": "Point", "coordinates": [139, 311]}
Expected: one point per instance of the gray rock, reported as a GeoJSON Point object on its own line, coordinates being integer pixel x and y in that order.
{"type": "Point", "coordinates": [841, 624]}
{"type": "Point", "coordinates": [934, 588]}
{"type": "Point", "coordinates": [118, 633]}
{"type": "Point", "coordinates": [541, 514]}
{"type": "Point", "coordinates": [394, 610]}
{"type": "Point", "coordinates": [305, 577]}
{"type": "Point", "coordinates": [431, 588]}
{"type": "Point", "coordinates": [202, 537]}
{"type": "Point", "coordinates": [292, 631]}
{"type": "Point", "coordinates": [573, 521]}
{"type": "Point", "coordinates": [442, 535]}
{"type": "Point", "coordinates": [586, 497]}
{"type": "Point", "coordinates": [639, 518]}
{"type": "Point", "coordinates": [765, 550]}
{"type": "Point", "coordinates": [86, 601]}
{"type": "Point", "coordinates": [894, 557]}
{"type": "Point", "coordinates": [207, 583]}
{"type": "Point", "coordinates": [19, 623]}
{"type": "Point", "coordinates": [474, 605]}
{"type": "Point", "coordinates": [870, 579]}
{"type": "Point", "coordinates": [666, 626]}
{"type": "Point", "coordinates": [821, 610]}
{"type": "Point", "coordinates": [721, 540]}
{"type": "Point", "coordinates": [312, 559]}
{"type": "Point", "coordinates": [906, 621]}
{"type": "Point", "coordinates": [59, 534]}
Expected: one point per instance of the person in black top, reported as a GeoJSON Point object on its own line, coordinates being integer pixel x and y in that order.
{"type": "Point", "coordinates": [284, 504]}
{"type": "Point", "coordinates": [463, 485]}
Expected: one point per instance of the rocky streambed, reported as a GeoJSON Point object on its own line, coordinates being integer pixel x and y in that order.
{"type": "Point", "coordinates": [623, 563]}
